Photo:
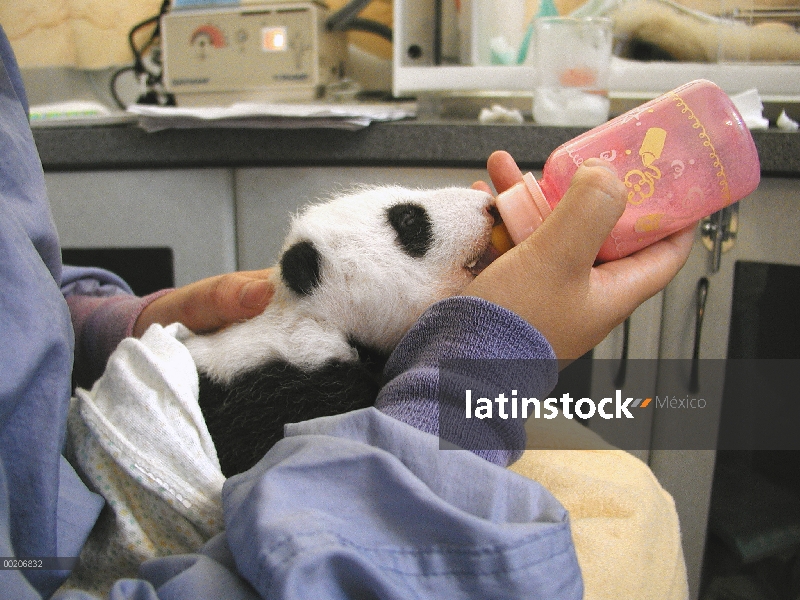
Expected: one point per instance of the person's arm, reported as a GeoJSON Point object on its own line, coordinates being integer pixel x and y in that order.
{"type": "Point", "coordinates": [544, 299]}
{"type": "Point", "coordinates": [467, 339]}
{"type": "Point", "coordinates": [104, 311]}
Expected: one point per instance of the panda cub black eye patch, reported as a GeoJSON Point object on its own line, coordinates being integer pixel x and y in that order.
{"type": "Point", "coordinates": [413, 227]}
{"type": "Point", "coordinates": [300, 267]}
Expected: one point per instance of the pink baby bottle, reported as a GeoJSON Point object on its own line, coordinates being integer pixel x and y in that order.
{"type": "Point", "coordinates": [682, 156]}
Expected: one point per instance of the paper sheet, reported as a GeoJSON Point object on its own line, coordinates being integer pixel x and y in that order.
{"type": "Point", "coordinates": [274, 116]}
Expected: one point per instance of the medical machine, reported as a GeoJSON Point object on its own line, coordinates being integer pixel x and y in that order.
{"type": "Point", "coordinates": [266, 52]}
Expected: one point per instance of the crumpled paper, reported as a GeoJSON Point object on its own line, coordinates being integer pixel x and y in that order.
{"type": "Point", "coordinates": [749, 105]}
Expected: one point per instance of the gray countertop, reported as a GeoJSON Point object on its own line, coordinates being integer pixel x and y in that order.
{"type": "Point", "coordinates": [406, 143]}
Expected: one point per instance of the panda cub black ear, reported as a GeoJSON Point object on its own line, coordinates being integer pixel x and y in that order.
{"type": "Point", "coordinates": [300, 267]}
{"type": "Point", "coordinates": [413, 227]}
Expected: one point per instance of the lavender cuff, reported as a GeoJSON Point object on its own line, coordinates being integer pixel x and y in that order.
{"type": "Point", "coordinates": [100, 324]}
{"type": "Point", "coordinates": [453, 333]}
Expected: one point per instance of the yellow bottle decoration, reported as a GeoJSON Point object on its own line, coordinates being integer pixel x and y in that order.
{"type": "Point", "coordinates": [642, 183]}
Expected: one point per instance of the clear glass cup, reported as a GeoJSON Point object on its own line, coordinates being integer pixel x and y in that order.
{"type": "Point", "coordinates": [573, 60]}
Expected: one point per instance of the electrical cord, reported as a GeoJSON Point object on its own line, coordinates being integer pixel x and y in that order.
{"type": "Point", "coordinates": [152, 80]}
{"type": "Point", "coordinates": [346, 19]}
{"type": "Point", "coordinates": [370, 27]}
{"type": "Point", "coordinates": [113, 85]}
{"type": "Point", "coordinates": [338, 20]}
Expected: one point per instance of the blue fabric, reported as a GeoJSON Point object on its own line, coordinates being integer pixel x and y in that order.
{"type": "Point", "coordinates": [384, 513]}
{"type": "Point", "coordinates": [35, 356]}
{"type": "Point", "coordinates": [90, 281]}
{"type": "Point", "coordinates": [364, 506]}
{"type": "Point", "coordinates": [459, 340]}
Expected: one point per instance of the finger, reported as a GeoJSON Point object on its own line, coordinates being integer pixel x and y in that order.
{"type": "Point", "coordinates": [230, 298]}
{"type": "Point", "coordinates": [645, 273]}
{"type": "Point", "coordinates": [211, 303]}
{"type": "Point", "coordinates": [584, 218]}
{"type": "Point", "coordinates": [255, 290]}
{"type": "Point", "coordinates": [482, 186]}
{"type": "Point", "coordinates": [254, 295]}
{"type": "Point", "coordinates": [503, 170]}
{"type": "Point", "coordinates": [257, 274]}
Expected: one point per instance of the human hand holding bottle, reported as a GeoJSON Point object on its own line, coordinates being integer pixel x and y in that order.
{"type": "Point", "coordinates": [551, 279]}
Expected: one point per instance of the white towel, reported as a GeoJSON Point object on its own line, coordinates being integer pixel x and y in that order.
{"type": "Point", "coordinates": [139, 439]}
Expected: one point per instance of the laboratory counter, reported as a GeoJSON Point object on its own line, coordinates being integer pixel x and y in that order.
{"type": "Point", "coordinates": [411, 143]}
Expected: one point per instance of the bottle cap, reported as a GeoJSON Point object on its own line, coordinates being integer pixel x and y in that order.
{"type": "Point", "coordinates": [523, 208]}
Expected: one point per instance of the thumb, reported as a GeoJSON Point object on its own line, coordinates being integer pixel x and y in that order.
{"type": "Point", "coordinates": [584, 218]}
{"type": "Point", "coordinates": [211, 303]}
{"type": "Point", "coordinates": [226, 299]}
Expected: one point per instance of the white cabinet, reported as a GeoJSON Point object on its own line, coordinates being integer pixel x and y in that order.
{"type": "Point", "coordinates": [190, 211]}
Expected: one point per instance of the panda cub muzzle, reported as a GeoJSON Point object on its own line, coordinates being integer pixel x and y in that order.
{"type": "Point", "coordinates": [355, 274]}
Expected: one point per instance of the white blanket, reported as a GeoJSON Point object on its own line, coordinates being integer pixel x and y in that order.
{"type": "Point", "coordinates": [139, 439]}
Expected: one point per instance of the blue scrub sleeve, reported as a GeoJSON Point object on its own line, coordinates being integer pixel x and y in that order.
{"type": "Point", "coordinates": [469, 341]}
{"type": "Point", "coordinates": [45, 511]}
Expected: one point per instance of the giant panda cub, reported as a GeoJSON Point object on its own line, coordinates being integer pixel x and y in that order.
{"type": "Point", "coordinates": [354, 275]}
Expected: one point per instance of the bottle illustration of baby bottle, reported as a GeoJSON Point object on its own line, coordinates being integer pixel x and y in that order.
{"type": "Point", "coordinates": [682, 157]}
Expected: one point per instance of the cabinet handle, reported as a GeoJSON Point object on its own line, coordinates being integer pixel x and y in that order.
{"type": "Point", "coordinates": [718, 233]}
{"type": "Point", "coordinates": [702, 296]}
{"type": "Point", "coordinates": [619, 378]}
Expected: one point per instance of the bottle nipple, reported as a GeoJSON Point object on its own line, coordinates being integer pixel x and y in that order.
{"type": "Point", "coordinates": [501, 239]}
{"type": "Point", "coordinates": [523, 208]}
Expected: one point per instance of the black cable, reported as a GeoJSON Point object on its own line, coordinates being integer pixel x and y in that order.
{"type": "Point", "coordinates": [139, 67]}
{"type": "Point", "coordinates": [370, 27]}
{"type": "Point", "coordinates": [138, 63]}
{"type": "Point", "coordinates": [346, 19]}
{"type": "Point", "coordinates": [113, 85]}
{"type": "Point", "coordinates": [338, 21]}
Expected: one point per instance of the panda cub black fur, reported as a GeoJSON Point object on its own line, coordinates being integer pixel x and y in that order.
{"type": "Point", "coordinates": [354, 275]}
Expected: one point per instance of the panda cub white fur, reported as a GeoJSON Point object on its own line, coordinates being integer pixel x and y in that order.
{"type": "Point", "coordinates": [354, 275]}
